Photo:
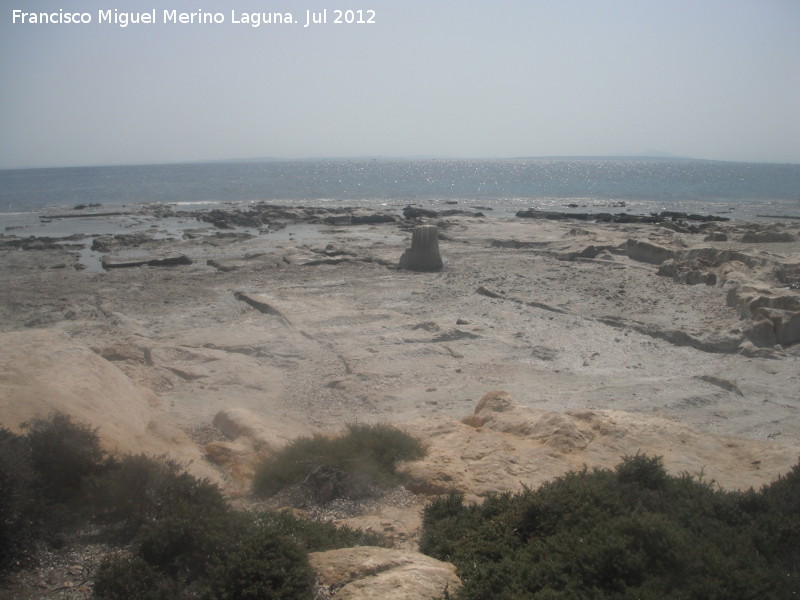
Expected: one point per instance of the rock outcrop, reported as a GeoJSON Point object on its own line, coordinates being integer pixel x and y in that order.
{"type": "Point", "coordinates": [366, 573]}
{"type": "Point", "coordinates": [770, 309]}
{"type": "Point", "coordinates": [45, 371]}
{"type": "Point", "coordinates": [504, 446]}
{"type": "Point", "coordinates": [755, 285]}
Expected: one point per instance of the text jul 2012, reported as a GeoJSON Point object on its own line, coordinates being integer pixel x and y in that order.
{"type": "Point", "coordinates": [172, 16]}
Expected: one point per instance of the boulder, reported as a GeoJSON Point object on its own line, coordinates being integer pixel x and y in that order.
{"type": "Point", "coordinates": [453, 212]}
{"type": "Point", "coordinates": [749, 299]}
{"type": "Point", "coordinates": [424, 252]}
{"type": "Point", "coordinates": [760, 333]}
{"type": "Point", "coordinates": [367, 572]}
{"type": "Point", "coordinates": [338, 220]}
{"type": "Point", "coordinates": [788, 274]}
{"type": "Point", "coordinates": [697, 276]}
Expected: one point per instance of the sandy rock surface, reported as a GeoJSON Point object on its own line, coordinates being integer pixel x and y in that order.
{"type": "Point", "coordinates": [45, 371]}
{"type": "Point", "coordinates": [505, 446]}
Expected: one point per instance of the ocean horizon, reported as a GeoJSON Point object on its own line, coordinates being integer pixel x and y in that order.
{"type": "Point", "coordinates": [639, 185]}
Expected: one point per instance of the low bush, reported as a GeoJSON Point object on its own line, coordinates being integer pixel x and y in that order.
{"type": "Point", "coordinates": [631, 532]}
{"type": "Point", "coordinates": [20, 509]}
{"type": "Point", "coordinates": [353, 465]}
{"type": "Point", "coordinates": [137, 490]}
{"type": "Point", "coordinates": [63, 454]}
{"type": "Point", "coordinates": [184, 540]}
{"type": "Point", "coordinates": [262, 564]}
{"type": "Point", "coordinates": [42, 477]}
{"type": "Point", "coordinates": [233, 555]}
{"type": "Point", "coordinates": [127, 577]}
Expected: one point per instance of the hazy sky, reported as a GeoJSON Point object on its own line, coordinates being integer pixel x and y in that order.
{"type": "Point", "coordinates": [700, 78]}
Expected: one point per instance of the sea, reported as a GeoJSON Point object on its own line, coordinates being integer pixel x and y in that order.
{"type": "Point", "coordinates": [499, 187]}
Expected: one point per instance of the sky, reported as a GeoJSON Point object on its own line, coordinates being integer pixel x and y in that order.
{"type": "Point", "coordinates": [712, 79]}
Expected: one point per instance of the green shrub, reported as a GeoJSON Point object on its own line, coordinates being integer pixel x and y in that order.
{"type": "Point", "coordinates": [63, 454]}
{"type": "Point", "coordinates": [223, 555]}
{"type": "Point", "coordinates": [643, 471]}
{"type": "Point", "coordinates": [385, 444]}
{"type": "Point", "coordinates": [183, 543]}
{"type": "Point", "coordinates": [263, 564]}
{"type": "Point", "coordinates": [19, 506]}
{"type": "Point", "coordinates": [42, 474]}
{"type": "Point", "coordinates": [125, 577]}
{"type": "Point", "coordinates": [631, 532]}
{"type": "Point", "coordinates": [353, 465]}
{"type": "Point", "coordinates": [186, 541]}
{"type": "Point", "coordinates": [137, 490]}
{"type": "Point", "coordinates": [778, 532]}
{"type": "Point", "coordinates": [445, 522]}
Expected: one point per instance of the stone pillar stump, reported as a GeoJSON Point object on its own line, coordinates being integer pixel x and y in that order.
{"type": "Point", "coordinates": [424, 252]}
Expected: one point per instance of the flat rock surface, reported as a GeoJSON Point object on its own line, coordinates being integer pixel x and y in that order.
{"type": "Point", "coordinates": [361, 341]}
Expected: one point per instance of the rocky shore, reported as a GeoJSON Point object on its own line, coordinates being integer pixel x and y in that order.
{"type": "Point", "coordinates": [217, 336]}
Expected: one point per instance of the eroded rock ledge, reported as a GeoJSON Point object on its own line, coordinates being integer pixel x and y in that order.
{"type": "Point", "coordinates": [505, 446]}
{"type": "Point", "coordinates": [762, 285]}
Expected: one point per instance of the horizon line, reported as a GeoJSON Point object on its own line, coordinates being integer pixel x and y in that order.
{"type": "Point", "coordinates": [666, 156]}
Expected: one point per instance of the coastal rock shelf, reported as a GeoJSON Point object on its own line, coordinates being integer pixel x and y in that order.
{"type": "Point", "coordinates": [675, 337]}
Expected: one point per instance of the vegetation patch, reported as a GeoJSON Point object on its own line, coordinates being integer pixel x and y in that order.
{"type": "Point", "coordinates": [179, 537]}
{"type": "Point", "coordinates": [631, 532]}
{"type": "Point", "coordinates": [357, 464]}
{"type": "Point", "coordinates": [41, 481]}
